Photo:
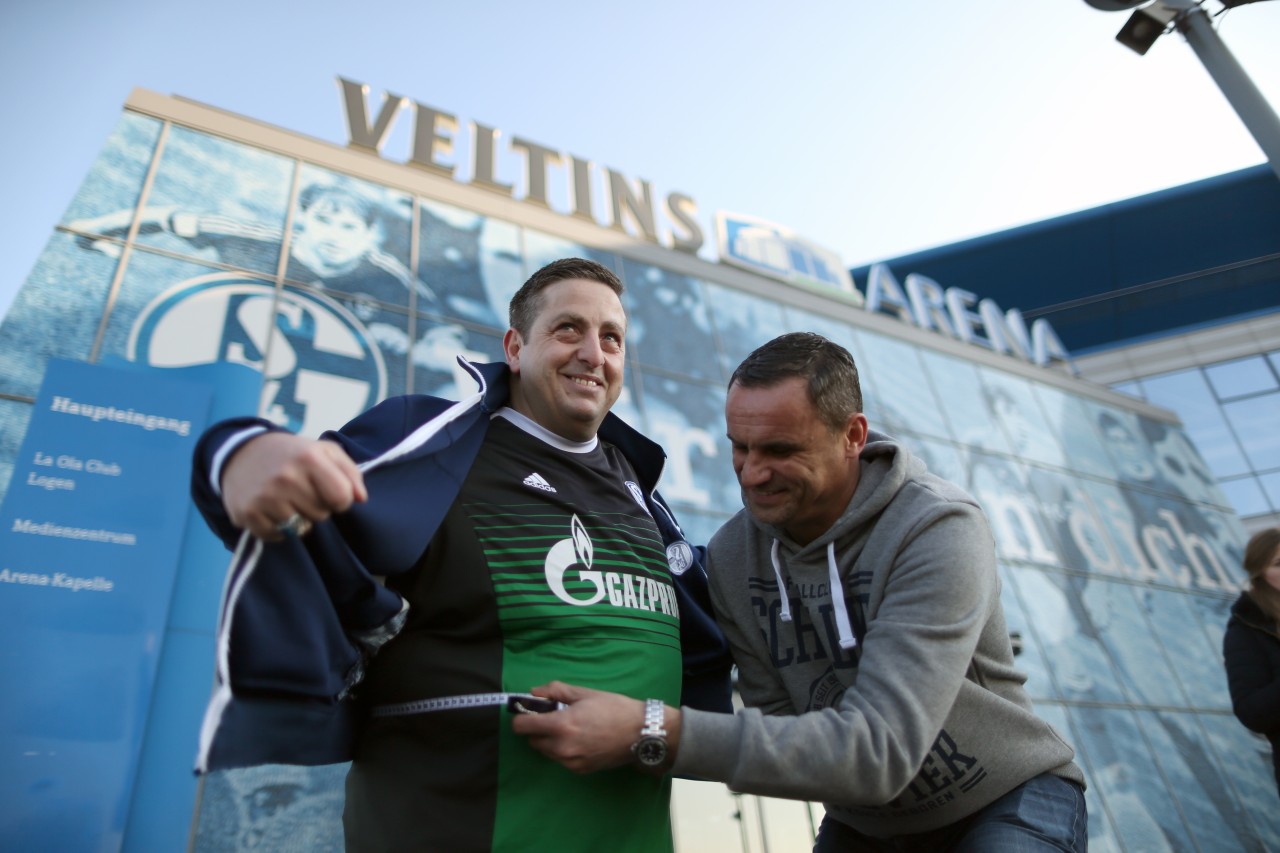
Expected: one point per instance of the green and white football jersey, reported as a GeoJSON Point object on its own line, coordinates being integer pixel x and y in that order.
{"type": "Point", "coordinates": [548, 566]}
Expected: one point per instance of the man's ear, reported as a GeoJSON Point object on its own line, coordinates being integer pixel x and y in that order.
{"type": "Point", "coordinates": [511, 346]}
{"type": "Point", "coordinates": [857, 434]}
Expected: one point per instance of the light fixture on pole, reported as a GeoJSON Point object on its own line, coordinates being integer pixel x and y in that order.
{"type": "Point", "coordinates": [1145, 26]}
{"type": "Point", "coordinates": [1150, 20]}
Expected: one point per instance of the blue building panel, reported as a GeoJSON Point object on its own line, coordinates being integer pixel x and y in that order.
{"type": "Point", "coordinates": [1174, 259]}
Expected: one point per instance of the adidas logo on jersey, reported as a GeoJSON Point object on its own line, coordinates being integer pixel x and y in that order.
{"type": "Point", "coordinates": [536, 481]}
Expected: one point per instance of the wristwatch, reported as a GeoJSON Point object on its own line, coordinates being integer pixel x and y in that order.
{"type": "Point", "coordinates": [651, 749]}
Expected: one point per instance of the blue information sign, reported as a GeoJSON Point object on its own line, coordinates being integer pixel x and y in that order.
{"type": "Point", "coordinates": [90, 533]}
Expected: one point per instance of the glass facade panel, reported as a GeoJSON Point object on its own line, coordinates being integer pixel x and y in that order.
{"type": "Point", "coordinates": [1154, 456]}
{"type": "Point", "coordinates": [1240, 378]}
{"type": "Point", "coordinates": [170, 309]}
{"type": "Point", "coordinates": [471, 263]}
{"type": "Point", "coordinates": [114, 184]}
{"type": "Point", "coordinates": [1181, 466]}
{"type": "Point", "coordinates": [541, 249]}
{"type": "Point", "coordinates": [1247, 757]}
{"type": "Point", "coordinates": [1089, 523]}
{"type": "Point", "coordinates": [1117, 616]}
{"type": "Point", "coordinates": [798, 319]}
{"type": "Point", "coordinates": [892, 374]}
{"type": "Point", "coordinates": [352, 239]}
{"type": "Point", "coordinates": [1136, 794]}
{"type": "Point", "coordinates": [435, 356]}
{"type": "Point", "coordinates": [1131, 457]}
{"type": "Point", "coordinates": [962, 393]}
{"type": "Point", "coordinates": [1187, 393]}
{"type": "Point", "coordinates": [942, 458]}
{"type": "Point", "coordinates": [742, 322]}
{"type": "Point", "coordinates": [1178, 471]}
{"type": "Point", "coordinates": [388, 330]}
{"type": "Point", "coordinates": [1196, 659]}
{"type": "Point", "coordinates": [1246, 496]}
{"type": "Point", "coordinates": [1186, 547]}
{"type": "Point", "coordinates": [1213, 613]}
{"type": "Point", "coordinates": [1271, 487]}
{"type": "Point", "coordinates": [14, 417]}
{"type": "Point", "coordinates": [1029, 657]}
{"type": "Point", "coordinates": [1081, 669]}
{"type": "Point", "coordinates": [1200, 794]}
{"type": "Point", "coordinates": [1018, 523]}
{"type": "Point", "coordinates": [687, 419]}
{"type": "Point", "coordinates": [275, 807]}
{"type": "Point", "coordinates": [1075, 427]}
{"type": "Point", "coordinates": [1240, 445]}
{"type": "Point", "coordinates": [1254, 421]}
{"type": "Point", "coordinates": [1014, 409]}
{"type": "Point", "coordinates": [669, 325]}
{"type": "Point", "coordinates": [215, 200]}
{"type": "Point", "coordinates": [1133, 389]}
{"type": "Point", "coordinates": [68, 291]}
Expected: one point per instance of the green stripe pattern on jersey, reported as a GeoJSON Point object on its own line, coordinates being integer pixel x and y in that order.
{"type": "Point", "coordinates": [584, 598]}
{"type": "Point", "coordinates": [583, 594]}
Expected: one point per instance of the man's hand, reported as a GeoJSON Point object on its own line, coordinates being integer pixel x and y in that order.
{"type": "Point", "coordinates": [594, 733]}
{"type": "Point", "coordinates": [277, 474]}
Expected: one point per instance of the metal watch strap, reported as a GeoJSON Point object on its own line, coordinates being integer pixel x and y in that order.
{"type": "Point", "coordinates": [655, 715]}
{"type": "Point", "coordinates": [650, 749]}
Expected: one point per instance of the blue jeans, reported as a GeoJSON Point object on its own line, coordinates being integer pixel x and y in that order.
{"type": "Point", "coordinates": [1042, 814]}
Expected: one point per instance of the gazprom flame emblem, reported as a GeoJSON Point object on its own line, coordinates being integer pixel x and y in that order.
{"type": "Point", "coordinates": [319, 364]}
{"type": "Point", "coordinates": [575, 552]}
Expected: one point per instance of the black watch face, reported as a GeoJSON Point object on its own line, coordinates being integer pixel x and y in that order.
{"type": "Point", "coordinates": [651, 751]}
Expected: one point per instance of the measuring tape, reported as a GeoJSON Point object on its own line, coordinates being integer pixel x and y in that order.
{"type": "Point", "coordinates": [455, 703]}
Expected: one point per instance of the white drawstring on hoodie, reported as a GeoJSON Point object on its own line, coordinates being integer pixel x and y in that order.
{"type": "Point", "coordinates": [845, 629]}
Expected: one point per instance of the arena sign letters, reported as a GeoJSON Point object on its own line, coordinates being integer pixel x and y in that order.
{"type": "Point", "coordinates": [927, 305]}
{"type": "Point", "coordinates": [743, 241]}
{"type": "Point", "coordinates": [435, 132]}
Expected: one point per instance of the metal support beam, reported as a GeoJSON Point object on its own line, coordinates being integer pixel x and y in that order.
{"type": "Point", "coordinates": [1244, 96]}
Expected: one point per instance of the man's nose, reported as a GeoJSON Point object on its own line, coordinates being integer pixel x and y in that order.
{"type": "Point", "coordinates": [591, 352]}
{"type": "Point", "coordinates": [753, 471]}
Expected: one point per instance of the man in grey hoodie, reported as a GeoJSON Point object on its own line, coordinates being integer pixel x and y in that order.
{"type": "Point", "coordinates": [861, 599]}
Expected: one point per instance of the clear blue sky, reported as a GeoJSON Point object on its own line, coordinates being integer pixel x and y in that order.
{"type": "Point", "coordinates": [875, 129]}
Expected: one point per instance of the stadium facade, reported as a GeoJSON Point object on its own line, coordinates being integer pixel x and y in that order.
{"type": "Point", "coordinates": [201, 239]}
{"type": "Point", "coordinates": [1173, 297]}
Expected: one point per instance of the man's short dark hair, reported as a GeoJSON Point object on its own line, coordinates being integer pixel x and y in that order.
{"type": "Point", "coordinates": [340, 197]}
{"type": "Point", "coordinates": [828, 371]}
{"type": "Point", "coordinates": [526, 304]}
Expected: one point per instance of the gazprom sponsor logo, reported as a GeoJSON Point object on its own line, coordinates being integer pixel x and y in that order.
{"type": "Point", "coordinates": [572, 558]}
{"type": "Point", "coordinates": [319, 365]}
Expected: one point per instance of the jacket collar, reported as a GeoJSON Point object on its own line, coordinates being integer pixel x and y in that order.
{"type": "Point", "coordinates": [493, 378]}
{"type": "Point", "coordinates": [1247, 612]}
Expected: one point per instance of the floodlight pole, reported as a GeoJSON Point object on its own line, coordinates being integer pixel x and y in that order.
{"type": "Point", "coordinates": [1241, 93]}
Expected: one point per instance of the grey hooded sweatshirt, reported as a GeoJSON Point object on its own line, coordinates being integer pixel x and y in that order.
{"type": "Point", "coordinates": [895, 700]}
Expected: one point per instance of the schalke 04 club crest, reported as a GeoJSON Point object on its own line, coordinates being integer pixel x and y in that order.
{"type": "Point", "coordinates": [320, 367]}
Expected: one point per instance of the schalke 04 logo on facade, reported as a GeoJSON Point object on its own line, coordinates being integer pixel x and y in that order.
{"type": "Point", "coordinates": [320, 368]}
